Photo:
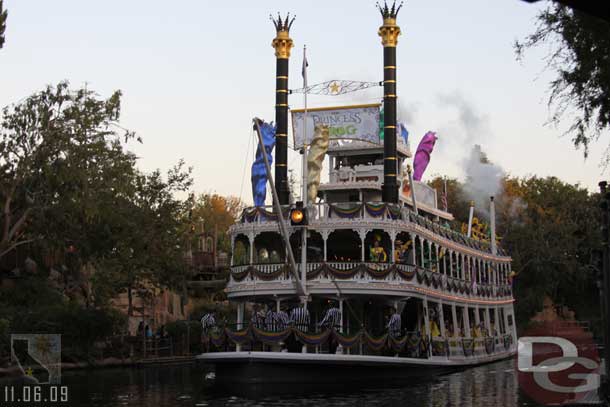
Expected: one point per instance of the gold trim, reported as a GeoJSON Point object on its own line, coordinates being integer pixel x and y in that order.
{"type": "Point", "coordinates": [391, 95]}
{"type": "Point", "coordinates": [389, 67]}
{"type": "Point", "coordinates": [281, 165]}
{"type": "Point", "coordinates": [281, 91]}
{"type": "Point", "coordinates": [391, 21]}
{"type": "Point", "coordinates": [389, 32]}
{"type": "Point", "coordinates": [390, 158]}
{"type": "Point", "coordinates": [390, 175]}
{"type": "Point", "coordinates": [319, 109]}
{"type": "Point", "coordinates": [281, 135]}
{"type": "Point", "coordinates": [281, 77]}
{"type": "Point", "coordinates": [282, 44]}
{"type": "Point", "coordinates": [281, 105]}
{"type": "Point", "coordinates": [389, 127]}
{"type": "Point", "coordinates": [390, 81]}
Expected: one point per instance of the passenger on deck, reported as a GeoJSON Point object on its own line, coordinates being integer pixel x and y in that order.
{"type": "Point", "coordinates": [331, 320]}
{"type": "Point", "coordinates": [476, 331]}
{"type": "Point", "coordinates": [434, 330]}
{"type": "Point", "coordinates": [395, 324]}
{"type": "Point", "coordinates": [283, 321]}
{"type": "Point", "coordinates": [299, 319]}
{"type": "Point", "coordinates": [270, 319]}
{"type": "Point", "coordinates": [258, 317]}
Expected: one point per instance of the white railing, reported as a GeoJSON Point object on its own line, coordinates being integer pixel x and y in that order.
{"type": "Point", "coordinates": [369, 273]}
{"type": "Point", "coordinates": [358, 211]}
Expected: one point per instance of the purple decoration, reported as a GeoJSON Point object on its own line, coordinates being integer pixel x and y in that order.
{"type": "Point", "coordinates": [422, 156]}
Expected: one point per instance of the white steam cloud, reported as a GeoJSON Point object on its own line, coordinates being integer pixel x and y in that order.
{"type": "Point", "coordinates": [466, 134]}
{"type": "Point", "coordinates": [483, 179]}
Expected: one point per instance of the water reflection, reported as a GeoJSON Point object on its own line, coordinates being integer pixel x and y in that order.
{"type": "Point", "coordinates": [177, 386]}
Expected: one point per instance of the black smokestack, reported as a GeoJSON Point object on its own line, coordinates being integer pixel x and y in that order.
{"type": "Point", "coordinates": [389, 33]}
{"type": "Point", "coordinates": [282, 44]}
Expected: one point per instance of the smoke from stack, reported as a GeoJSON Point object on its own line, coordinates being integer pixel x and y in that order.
{"type": "Point", "coordinates": [483, 179]}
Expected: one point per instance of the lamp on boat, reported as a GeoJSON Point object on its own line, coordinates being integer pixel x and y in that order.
{"type": "Point", "coordinates": [298, 216]}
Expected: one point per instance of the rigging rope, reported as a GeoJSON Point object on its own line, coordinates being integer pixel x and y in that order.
{"type": "Point", "coordinates": [243, 176]}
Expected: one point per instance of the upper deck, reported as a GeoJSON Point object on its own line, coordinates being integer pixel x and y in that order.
{"type": "Point", "coordinates": [353, 237]}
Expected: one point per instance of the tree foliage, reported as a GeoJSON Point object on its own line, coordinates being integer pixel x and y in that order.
{"type": "Point", "coordinates": [551, 230]}
{"type": "Point", "coordinates": [73, 197]}
{"type": "Point", "coordinates": [580, 56]}
{"type": "Point", "coordinates": [217, 211]}
{"type": "Point", "coordinates": [61, 162]}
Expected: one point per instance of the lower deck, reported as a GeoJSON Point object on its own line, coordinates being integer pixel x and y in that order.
{"type": "Point", "coordinates": [310, 368]}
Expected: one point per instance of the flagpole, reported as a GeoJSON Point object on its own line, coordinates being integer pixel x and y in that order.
{"type": "Point", "coordinates": [446, 199]}
{"type": "Point", "coordinates": [304, 198]}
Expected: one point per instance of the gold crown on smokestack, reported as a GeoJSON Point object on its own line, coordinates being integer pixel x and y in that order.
{"type": "Point", "coordinates": [389, 12]}
{"type": "Point", "coordinates": [389, 31]}
{"type": "Point", "coordinates": [282, 42]}
{"type": "Point", "coordinates": [282, 25]}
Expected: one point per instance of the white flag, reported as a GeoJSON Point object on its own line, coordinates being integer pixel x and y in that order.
{"type": "Point", "coordinates": [304, 69]}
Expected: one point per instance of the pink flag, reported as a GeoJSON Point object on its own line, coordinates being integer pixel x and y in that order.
{"type": "Point", "coordinates": [422, 156]}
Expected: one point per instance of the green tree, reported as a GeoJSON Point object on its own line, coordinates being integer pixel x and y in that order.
{"type": "Point", "coordinates": [73, 193]}
{"type": "Point", "coordinates": [580, 56]}
{"type": "Point", "coordinates": [62, 163]}
{"type": "Point", "coordinates": [550, 229]}
{"type": "Point", "coordinates": [457, 202]}
{"type": "Point", "coordinates": [217, 211]}
{"type": "Point", "coordinates": [552, 241]}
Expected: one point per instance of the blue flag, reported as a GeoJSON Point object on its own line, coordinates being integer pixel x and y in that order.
{"type": "Point", "coordinates": [259, 173]}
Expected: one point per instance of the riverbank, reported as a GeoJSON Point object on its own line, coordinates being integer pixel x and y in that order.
{"type": "Point", "coordinates": [14, 372]}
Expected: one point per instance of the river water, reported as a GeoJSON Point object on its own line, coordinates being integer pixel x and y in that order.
{"type": "Point", "coordinates": [187, 386]}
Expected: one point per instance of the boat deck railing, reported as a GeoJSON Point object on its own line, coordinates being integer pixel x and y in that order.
{"type": "Point", "coordinates": [367, 272]}
{"type": "Point", "coordinates": [324, 212]}
{"type": "Point", "coordinates": [409, 344]}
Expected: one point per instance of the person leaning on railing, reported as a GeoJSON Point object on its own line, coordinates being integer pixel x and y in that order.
{"type": "Point", "coordinates": [299, 319]}
{"type": "Point", "coordinates": [331, 320]}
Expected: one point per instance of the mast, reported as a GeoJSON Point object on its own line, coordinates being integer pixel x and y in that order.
{"type": "Point", "coordinates": [304, 175]}
{"type": "Point", "coordinates": [280, 217]}
{"type": "Point", "coordinates": [492, 225]}
{"type": "Point", "coordinates": [389, 33]}
{"type": "Point", "coordinates": [470, 216]}
{"type": "Point", "coordinates": [282, 43]}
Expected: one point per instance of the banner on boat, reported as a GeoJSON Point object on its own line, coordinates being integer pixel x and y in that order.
{"type": "Point", "coordinates": [358, 122]}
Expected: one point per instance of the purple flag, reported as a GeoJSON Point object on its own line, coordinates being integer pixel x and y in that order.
{"type": "Point", "coordinates": [422, 156]}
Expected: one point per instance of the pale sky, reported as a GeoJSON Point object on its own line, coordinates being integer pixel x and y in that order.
{"type": "Point", "coordinates": [194, 73]}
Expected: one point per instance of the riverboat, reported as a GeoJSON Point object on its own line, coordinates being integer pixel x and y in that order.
{"type": "Point", "coordinates": [372, 243]}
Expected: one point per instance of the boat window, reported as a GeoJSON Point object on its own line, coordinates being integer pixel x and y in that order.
{"type": "Point", "coordinates": [241, 250]}
{"type": "Point", "coordinates": [377, 245]}
{"type": "Point", "coordinates": [344, 245]}
{"type": "Point", "coordinates": [269, 248]}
